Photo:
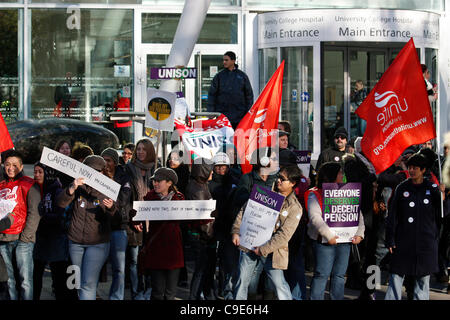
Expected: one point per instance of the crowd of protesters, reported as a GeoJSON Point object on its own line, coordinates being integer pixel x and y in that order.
{"type": "Point", "coordinates": [67, 225]}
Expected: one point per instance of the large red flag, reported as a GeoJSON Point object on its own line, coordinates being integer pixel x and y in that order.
{"type": "Point", "coordinates": [5, 139]}
{"type": "Point", "coordinates": [260, 124]}
{"type": "Point", "coordinates": [397, 111]}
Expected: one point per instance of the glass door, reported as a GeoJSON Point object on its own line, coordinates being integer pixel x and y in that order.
{"type": "Point", "coordinates": [208, 65]}
{"type": "Point", "coordinates": [298, 95]}
{"type": "Point", "coordinates": [365, 69]}
{"type": "Point", "coordinates": [333, 93]}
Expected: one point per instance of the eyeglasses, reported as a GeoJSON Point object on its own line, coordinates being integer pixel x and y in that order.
{"type": "Point", "coordinates": [340, 137]}
{"type": "Point", "coordinates": [128, 153]}
{"type": "Point", "coordinates": [281, 178]}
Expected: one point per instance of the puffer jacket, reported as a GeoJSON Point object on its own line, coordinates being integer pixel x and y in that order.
{"type": "Point", "coordinates": [231, 94]}
{"type": "Point", "coordinates": [287, 222]}
{"type": "Point", "coordinates": [91, 220]}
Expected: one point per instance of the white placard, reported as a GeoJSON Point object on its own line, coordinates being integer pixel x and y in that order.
{"type": "Point", "coordinates": [288, 27]}
{"type": "Point", "coordinates": [6, 206]}
{"type": "Point", "coordinates": [76, 169]}
{"type": "Point", "coordinates": [174, 210]}
{"type": "Point", "coordinates": [122, 71]}
{"type": "Point", "coordinates": [258, 223]}
{"type": "Point", "coordinates": [160, 109]}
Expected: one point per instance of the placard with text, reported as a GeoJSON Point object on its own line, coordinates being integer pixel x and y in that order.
{"type": "Point", "coordinates": [341, 208]}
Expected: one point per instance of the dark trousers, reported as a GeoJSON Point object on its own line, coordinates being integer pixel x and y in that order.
{"type": "Point", "coordinates": [203, 278]}
{"type": "Point", "coordinates": [4, 291]}
{"type": "Point", "coordinates": [59, 278]}
{"type": "Point", "coordinates": [164, 284]}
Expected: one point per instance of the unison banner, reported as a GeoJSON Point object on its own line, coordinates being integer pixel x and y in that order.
{"type": "Point", "coordinates": [174, 210]}
{"type": "Point", "coordinates": [260, 216]}
{"type": "Point", "coordinates": [341, 207]}
{"type": "Point", "coordinates": [76, 169]}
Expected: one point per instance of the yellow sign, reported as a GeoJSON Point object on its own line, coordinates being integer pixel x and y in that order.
{"type": "Point", "coordinates": [159, 108]}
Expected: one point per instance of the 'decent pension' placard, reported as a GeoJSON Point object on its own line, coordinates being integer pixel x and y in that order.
{"type": "Point", "coordinates": [76, 169]}
{"type": "Point", "coordinates": [174, 210]}
{"type": "Point", "coordinates": [341, 207]}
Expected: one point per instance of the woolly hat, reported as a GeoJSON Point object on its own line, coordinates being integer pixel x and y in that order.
{"type": "Point", "coordinates": [165, 174]}
{"type": "Point", "coordinates": [112, 153]}
{"type": "Point", "coordinates": [221, 158]}
{"type": "Point", "coordinates": [341, 131]}
{"type": "Point", "coordinates": [95, 162]}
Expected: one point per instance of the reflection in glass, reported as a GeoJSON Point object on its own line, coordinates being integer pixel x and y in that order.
{"type": "Point", "coordinates": [161, 28]}
{"type": "Point", "coordinates": [267, 65]}
{"type": "Point", "coordinates": [431, 63]}
{"type": "Point", "coordinates": [80, 59]}
{"type": "Point", "coordinates": [298, 101]}
{"type": "Point", "coordinates": [366, 68]}
{"type": "Point", "coordinates": [9, 85]}
{"type": "Point", "coordinates": [333, 92]}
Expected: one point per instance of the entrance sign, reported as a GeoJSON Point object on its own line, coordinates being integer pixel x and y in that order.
{"type": "Point", "coordinates": [341, 207]}
{"type": "Point", "coordinates": [173, 73]}
{"type": "Point", "coordinates": [174, 210]}
{"type": "Point", "coordinates": [160, 109]}
{"type": "Point", "coordinates": [259, 218]}
{"type": "Point", "coordinates": [288, 27]}
{"type": "Point", "coordinates": [76, 169]}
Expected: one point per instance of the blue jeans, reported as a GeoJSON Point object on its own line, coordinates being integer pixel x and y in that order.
{"type": "Point", "coordinates": [23, 252]}
{"type": "Point", "coordinates": [90, 259]}
{"type": "Point", "coordinates": [119, 242]}
{"type": "Point", "coordinates": [330, 260]}
{"type": "Point", "coordinates": [421, 287]}
{"type": "Point", "coordinates": [249, 263]}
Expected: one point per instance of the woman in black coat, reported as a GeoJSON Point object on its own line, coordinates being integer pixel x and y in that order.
{"type": "Point", "coordinates": [412, 231]}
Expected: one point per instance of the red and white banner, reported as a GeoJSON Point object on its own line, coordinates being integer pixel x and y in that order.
{"type": "Point", "coordinates": [397, 111]}
{"type": "Point", "coordinates": [205, 137]}
{"type": "Point", "coordinates": [259, 127]}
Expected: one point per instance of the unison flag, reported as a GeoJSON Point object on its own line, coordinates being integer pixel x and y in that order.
{"type": "Point", "coordinates": [397, 111]}
{"type": "Point", "coordinates": [5, 139]}
{"type": "Point", "coordinates": [259, 127]}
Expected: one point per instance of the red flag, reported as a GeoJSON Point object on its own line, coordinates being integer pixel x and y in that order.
{"type": "Point", "coordinates": [397, 111]}
{"type": "Point", "coordinates": [5, 139]}
{"type": "Point", "coordinates": [260, 124]}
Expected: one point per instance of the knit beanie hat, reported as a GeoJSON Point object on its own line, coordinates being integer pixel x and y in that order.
{"type": "Point", "coordinates": [341, 131]}
{"type": "Point", "coordinates": [112, 153]}
{"type": "Point", "coordinates": [95, 162]}
{"type": "Point", "coordinates": [165, 174]}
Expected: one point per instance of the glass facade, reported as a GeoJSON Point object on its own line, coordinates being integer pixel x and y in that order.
{"type": "Point", "coordinates": [80, 59]}
{"type": "Point", "coordinates": [9, 66]}
{"type": "Point", "coordinates": [161, 28]}
{"type": "Point", "coordinates": [432, 5]}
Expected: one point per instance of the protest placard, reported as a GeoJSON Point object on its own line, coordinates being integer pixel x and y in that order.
{"type": "Point", "coordinates": [341, 207]}
{"type": "Point", "coordinates": [303, 161]}
{"type": "Point", "coordinates": [174, 210]}
{"type": "Point", "coordinates": [260, 216]}
{"type": "Point", "coordinates": [76, 169]}
{"type": "Point", "coordinates": [160, 109]}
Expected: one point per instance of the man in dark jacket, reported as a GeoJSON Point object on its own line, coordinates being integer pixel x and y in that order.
{"type": "Point", "coordinates": [230, 92]}
{"type": "Point", "coordinates": [335, 152]}
{"type": "Point", "coordinates": [19, 239]}
{"type": "Point", "coordinates": [412, 231]}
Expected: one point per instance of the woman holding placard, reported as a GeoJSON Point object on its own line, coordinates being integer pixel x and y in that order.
{"type": "Point", "coordinates": [273, 255]}
{"type": "Point", "coordinates": [331, 257]}
{"type": "Point", "coordinates": [90, 228]}
{"type": "Point", "coordinates": [140, 170]}
{"type": "Point", "coordinates": [163, 251]}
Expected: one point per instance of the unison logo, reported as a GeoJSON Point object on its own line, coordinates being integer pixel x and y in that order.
{"type": "Point", "coordinates": [388, 111]}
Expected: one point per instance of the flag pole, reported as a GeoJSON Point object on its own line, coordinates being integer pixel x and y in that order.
{"type": "Point", "coordinates": [438, 150]}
